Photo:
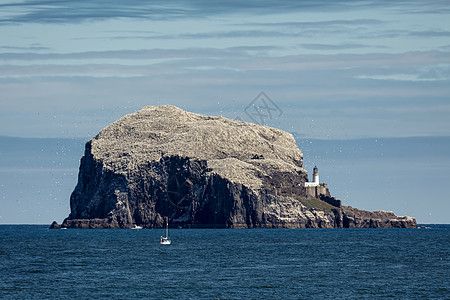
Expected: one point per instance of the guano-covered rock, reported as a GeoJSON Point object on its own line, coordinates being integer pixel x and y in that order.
{"type": "Point", "coordinates": [201, 171]}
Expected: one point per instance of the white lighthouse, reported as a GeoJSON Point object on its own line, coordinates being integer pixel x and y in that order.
{"type": "Point", "coordinates": [316, 175]}
{"type": "Point", "coordinates": [315, 189]}
{"type": "Point", "coordinates": [315, 181]}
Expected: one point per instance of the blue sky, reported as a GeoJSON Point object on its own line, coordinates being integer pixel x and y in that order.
{"type": "Point", "coordinates": [336, 69]}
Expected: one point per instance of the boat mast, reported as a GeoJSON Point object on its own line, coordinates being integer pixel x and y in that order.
{"type": "Point", "coordinates": [167, 228]}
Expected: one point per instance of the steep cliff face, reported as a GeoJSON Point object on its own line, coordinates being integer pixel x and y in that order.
{"type": "Point", "coordinates": [199, 171]}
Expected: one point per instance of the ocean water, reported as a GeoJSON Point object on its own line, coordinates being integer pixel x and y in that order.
{"type": "Point", "coordinates": [38, 263]}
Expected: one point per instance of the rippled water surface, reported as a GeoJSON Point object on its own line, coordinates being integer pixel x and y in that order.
{"type": "Point", "coordinates": [39, 263]}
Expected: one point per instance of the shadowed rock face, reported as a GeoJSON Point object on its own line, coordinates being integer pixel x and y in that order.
{"type": "Point", "coordinates": [199, 171]}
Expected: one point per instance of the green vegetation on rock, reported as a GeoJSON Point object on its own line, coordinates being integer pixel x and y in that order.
{"type": "Point", "coordinates": [315, 203]}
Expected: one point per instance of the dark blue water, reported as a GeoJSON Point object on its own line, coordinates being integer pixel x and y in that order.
{"type": "Point", "coordinates": [37, 263]}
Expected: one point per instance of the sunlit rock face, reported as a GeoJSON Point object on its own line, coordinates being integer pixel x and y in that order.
{"type": "Point", "coordinates": [198, 171]}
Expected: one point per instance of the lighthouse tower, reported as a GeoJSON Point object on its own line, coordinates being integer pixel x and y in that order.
{"type": "Point", "coordinates": [316, 175]}
{"type": "Point", "coordinates": [315, 181]}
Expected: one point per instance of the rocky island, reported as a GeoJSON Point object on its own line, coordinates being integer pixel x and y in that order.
{"type": "Point", "coordinates": [203, 172]}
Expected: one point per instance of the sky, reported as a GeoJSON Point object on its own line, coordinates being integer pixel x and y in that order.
{"type": "Point", "coordinates": [320, 69]}
{"type": "Point", "coordinates": [334, 69]}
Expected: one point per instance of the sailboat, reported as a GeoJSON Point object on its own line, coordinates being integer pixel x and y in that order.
{"type": "Point", "coordinates": [165, 240]}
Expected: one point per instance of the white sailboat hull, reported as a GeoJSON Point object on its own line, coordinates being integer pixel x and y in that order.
{"type": "Point", "coordinates": [165, 242]}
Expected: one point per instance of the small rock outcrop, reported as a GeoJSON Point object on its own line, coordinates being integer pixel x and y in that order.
{"type": "Point", "coordinates": [356, 218]}
{"type": "Point", "coordinates": [200, 171]}
{"type": "Point", "coordinates": [55, 225]}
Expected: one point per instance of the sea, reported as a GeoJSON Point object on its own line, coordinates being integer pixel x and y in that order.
{"type": "Point", "coordinates": [41, 263]}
